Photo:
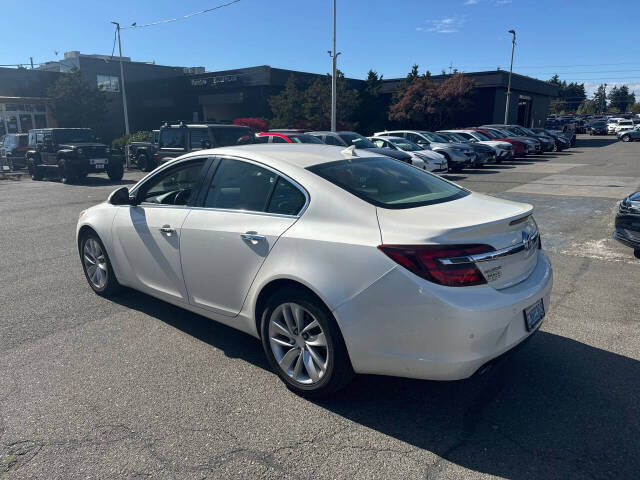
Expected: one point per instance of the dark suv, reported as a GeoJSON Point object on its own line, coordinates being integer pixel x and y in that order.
{"type": "Point", "coordinates": [176, 140]}
{"type": "Point", "coordinates": [69, 153]}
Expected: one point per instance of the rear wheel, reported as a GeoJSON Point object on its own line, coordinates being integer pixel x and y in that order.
{"type": "Point", "coordinates": [303, 344]}
{"type": "Point", "coordinates": [97, 266]}
{"type": "Point", "coordinates": [626, 138]}
{"type": "Point", "coordinates": [144, 163]}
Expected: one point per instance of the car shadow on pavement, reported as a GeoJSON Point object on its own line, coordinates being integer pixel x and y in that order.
{"type": "Point", "coordinates": [557, 408]}
{"type": "Point", "coordinates": [234, 343]}
{"type": "Point", "coordinates": [595, 142]}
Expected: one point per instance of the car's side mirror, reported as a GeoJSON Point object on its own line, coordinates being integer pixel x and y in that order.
{"type": "Point", "coordinates": [121, 197]}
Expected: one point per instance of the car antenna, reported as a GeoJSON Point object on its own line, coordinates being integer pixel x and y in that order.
{"type": "Point", "coordinates": [350, 151]}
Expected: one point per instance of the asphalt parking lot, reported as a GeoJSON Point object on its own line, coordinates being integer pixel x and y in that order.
{"type": "Point", "coordinates": [136, 388]}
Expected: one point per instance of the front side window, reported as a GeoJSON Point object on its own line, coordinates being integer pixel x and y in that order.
{"type": "Point", "coordinates": [387, 183]}
{"type": "Point", "coordinates": [173, 187]}
{"type": "Point", "coordinates": [172, 138]}
{"type": "Point", "coordinates": [415, 138]}
{"type": "Point", "coordinates": [276, 139]}
{"type": "Point", "coordinates": [239, 185]}
{"type": "Point", "coordinates": [197, 136]}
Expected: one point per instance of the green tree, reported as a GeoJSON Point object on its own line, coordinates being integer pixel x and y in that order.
{"type": "Point", "coordinates": [635, 108]}
{"type": "Point", "coordinates": [600, 98]}
{"type": "Point", "coordinates": [588, 107]}
{"type": "Point", "coordinates": [372, 114]}
{"type": "Point", "coordinates": [621, 99]}
{"type": "Point", "coordinates": [287, 105]}
{"type": "Point", "coordinates": [570, 95]}
{"type": "Point", "coordinates": [316, 104]}
{"type": "Point", "coordinates": [77, 103]}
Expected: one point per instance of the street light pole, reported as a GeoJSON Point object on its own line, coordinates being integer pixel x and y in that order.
{"type": "Point", "coordinates": [124, 93]}
{"type": "Point", "coordinates": [334, 58]}
{"type": "Point", "coordinates": [506, 109]}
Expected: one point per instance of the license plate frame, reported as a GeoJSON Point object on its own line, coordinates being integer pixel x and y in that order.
{"type": "Point", "coordinates": [98, 161]}
{"type": "Point", "coordinates": [534, 315]}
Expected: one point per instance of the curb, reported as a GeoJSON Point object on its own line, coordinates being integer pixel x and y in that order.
{"type": "Point", "coordinates": [13, 175]}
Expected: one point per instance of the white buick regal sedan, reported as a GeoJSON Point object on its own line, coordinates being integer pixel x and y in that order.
{"type": "Point", "coordinates": [340, 261]}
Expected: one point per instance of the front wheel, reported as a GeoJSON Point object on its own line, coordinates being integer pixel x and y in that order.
{"type": "Point", "coordinates": [115, 171]}
{"type": "Point", "coordinates": [626, 138]}
{"type": "Point", "coordinates": [34, 170]}
{"type": "Point", "coordinates": [66, 172]}
{"type": "Point", "coordinates": [97, 266]}
{"type": "Point", "coordinates": [303, 344]}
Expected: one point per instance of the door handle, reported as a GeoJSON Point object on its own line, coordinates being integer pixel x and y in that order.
{"type": "Point", "coordinates": [168, 230]}
{"type": "Point", "coordinates": [253, 237]}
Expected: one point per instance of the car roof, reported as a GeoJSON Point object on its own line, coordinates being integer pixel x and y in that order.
{"type": "Point", "coordinates": [388, 137]}
{"type": "Point", "coordinates": [290, 155]}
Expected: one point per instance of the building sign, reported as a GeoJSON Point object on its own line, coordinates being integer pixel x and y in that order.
{"type": "Point", "coordinates": [213, 81]}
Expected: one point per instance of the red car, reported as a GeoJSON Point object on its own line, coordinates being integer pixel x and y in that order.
{"type": "Point", "coordinates": [286, 137]}
{"type": "Point", "coordinates": [519, 148]}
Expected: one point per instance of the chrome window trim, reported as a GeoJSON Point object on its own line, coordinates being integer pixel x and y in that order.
{"type": "Point", "coordinates": [489, 256]}
{"type": "Point", "coordinates": [303, 190]}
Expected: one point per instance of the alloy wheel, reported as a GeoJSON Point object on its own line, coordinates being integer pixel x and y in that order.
{"type": "Point", "coordinates": [298, 343]}
{"type": "Point", "coordinates": [95, 263]}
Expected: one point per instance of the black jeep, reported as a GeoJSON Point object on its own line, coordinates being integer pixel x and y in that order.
{"type": "Point", "coordinates": [69, 153]}
{"type": "Point", "coordinates": [176, 140]}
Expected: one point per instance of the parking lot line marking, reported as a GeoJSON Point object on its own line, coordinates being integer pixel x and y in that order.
{"type": "Point", "coordinates": [543, 167]}
{"type": "Point", "coordinates": [580, 186]}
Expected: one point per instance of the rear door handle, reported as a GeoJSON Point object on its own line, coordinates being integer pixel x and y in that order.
{"type": "Point", "coordinates": [168, 230]}
{"type": "Point", "coordinates": [253, 237]}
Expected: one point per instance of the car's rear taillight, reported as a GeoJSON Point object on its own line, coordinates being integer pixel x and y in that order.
{"type": "Point", "coordinates": [424, 261]}
{"type": "Point", "coordinates": [156, 157]}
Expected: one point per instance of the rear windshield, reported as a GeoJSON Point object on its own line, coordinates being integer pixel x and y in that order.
{"type": "Point", "coordinates": [305, 139]}
{"type": "Point", "coordinates": [388, 183]}
{"type": "Point", "coordinates": [228, 136]}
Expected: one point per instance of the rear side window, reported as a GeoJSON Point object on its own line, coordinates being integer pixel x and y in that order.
{"type": "Point", "coordinates": [286, 199]}
{"type": "Point", "coordinates": [228, 136]}
{"type": "Point", "coordinates": [331, 140]}
{"type": "Point", "coordinates": [276, 139]}
{"type": "Point", "coordinates": [387, 183]}
{"type": "Point", "coordinates": [172, 138]}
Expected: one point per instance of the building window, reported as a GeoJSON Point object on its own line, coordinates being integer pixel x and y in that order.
{"type": "Point", "coordinates": [108, 83]}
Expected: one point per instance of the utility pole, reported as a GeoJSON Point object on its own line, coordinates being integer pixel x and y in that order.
{"type": "Point", "coordinates": [513, 46]}
{"type": "Point", "coordinates": [124, 93]}
{"type": "Point", "coordinates": [604, 99]}
{"type": "Point", "coordinates": [31, 58]}
{"type": "Point", "coordinates": [334, 57]}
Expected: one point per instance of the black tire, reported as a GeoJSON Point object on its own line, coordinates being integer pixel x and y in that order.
{"type": "Point", "coordinates": [339, 371]}
{"type": "Point", "coordinates": [111, 286]}
{"type": "Point", "coordinates": [115, 171]}
{"type": "Point", "coordinates": [636, 253]}
{"type": "Point", "coordinates": [626, 138]}
{"type": "Point", "coordinates": [66, 172]}
{"type": "Point", "coordinates": [34, 170]}
{"type": "Point", "coordinates": [145, 164]}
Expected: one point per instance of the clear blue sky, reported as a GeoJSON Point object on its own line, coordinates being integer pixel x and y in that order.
{"type": "Point", "coordinates": [592, 41]}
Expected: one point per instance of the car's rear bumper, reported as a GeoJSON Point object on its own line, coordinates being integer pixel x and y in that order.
{"type": "Point", "coordinates": [405, 326]}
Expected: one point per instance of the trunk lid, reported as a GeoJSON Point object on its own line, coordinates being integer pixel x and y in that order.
{"type": "Point", "coordinates": [506, 226]}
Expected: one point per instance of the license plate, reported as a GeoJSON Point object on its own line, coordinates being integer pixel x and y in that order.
{"type": "Point", "coordinates": [99, 166]}
{"type": "Point", "coordinates": [98, 161]}
{"type": "Point", "coordinates": [533, 315]}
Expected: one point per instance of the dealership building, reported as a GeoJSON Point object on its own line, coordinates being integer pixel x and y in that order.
{"type": "Point", "coordinates": [157, 93]}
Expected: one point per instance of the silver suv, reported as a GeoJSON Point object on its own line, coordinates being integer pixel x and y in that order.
{"type": "Point", "coordinates": [458, 155]}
